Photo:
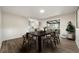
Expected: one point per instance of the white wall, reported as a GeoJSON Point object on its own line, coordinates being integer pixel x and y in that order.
{"type": "Point", "coordinates": [0, 28]}
{"type": "Point", "coordinates": [77, 37]}
{"type": "Point", "coordinates": [64, 19]}
{"type": "Point", "coordinates": [14, 26]}
{"type": "Point", "coordinates": [77, 29]}
{"type": "Point", "coordinates": [77, 18]}
{"type": "Point", "coordinates": [0, 23]}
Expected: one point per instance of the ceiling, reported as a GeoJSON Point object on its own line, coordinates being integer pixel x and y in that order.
{"type": "Point", "coordinates": [34, 11]}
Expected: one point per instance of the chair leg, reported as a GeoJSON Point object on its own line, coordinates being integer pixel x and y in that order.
{"type": "Point", "coordinates": [58, 41]}
{"type": "Point", "coordinates": [55, 44]}
{"type": "Point", "coordinates": [42, 45]}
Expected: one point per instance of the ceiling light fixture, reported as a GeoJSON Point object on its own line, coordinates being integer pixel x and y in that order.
{"type": "Point", "coordinates": [42, 11]}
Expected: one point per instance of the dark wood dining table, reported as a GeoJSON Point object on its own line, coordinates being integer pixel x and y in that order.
{"type": "Point", "coordinates": [39, 34]}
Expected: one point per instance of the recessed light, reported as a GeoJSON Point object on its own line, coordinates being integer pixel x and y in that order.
{"type": "Point", "coordinates": [42, 11]}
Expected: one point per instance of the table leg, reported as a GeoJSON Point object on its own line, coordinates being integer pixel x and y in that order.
{"type": "Point", "coordinates": [39, 44]}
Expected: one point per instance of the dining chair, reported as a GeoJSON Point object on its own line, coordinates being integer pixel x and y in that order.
{"type": "Point", "coordinates": [55, 38]}
{"type": "Point", "coordinates": [24, 45]}
{"type": "Point", "coordinates": [32, 41]}
{"type": "Point", "coordinates": [52, 40]}
{"type": "Point", "coordinates": [47, 42]}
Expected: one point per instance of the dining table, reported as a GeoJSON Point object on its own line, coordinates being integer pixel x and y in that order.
{"type": "Point", "coordinates": [39, 35]}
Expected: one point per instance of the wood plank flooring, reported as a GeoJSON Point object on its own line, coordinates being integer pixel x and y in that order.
{"type": "Point", "coordinates": [14, 46]}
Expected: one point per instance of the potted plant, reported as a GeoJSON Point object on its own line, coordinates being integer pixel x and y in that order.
{"type": "Point", "coordinates": [71, 31]}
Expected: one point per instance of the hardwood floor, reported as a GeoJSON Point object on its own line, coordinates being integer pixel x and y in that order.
{"type": "Point", "coordinates": [66, 46]}
{"type": "Point", "coordinates": [11, 46]}
{"type": "Point", "coordinates": [14, 46]}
